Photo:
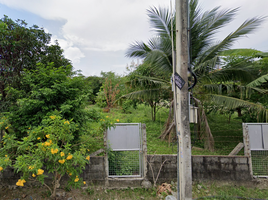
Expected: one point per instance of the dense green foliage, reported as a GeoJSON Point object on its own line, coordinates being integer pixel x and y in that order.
{"type": "Point", "coordinates": [43, 91]}
{"type": "Point", "coordinates": [44, 124]}
{"type": "Point", "coordinates": [21, 48]}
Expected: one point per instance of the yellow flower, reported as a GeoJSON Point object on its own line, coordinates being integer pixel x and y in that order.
{"type": "Point", "coordinates": [84, 182]}
{"type": "Point", "coordinates": [52, 117]}
{"type": "Point", "coordinates": [5, 155]}
{"type": "Point", "coordinates": [50, 141]}
{"type": "Point", "coordinates": [47, 136]}
{"type": "Point", "coordinates": [33, 175]}
{"type": "Point", "coordinates": [20, 182]}
{"type": "Point", "coordinates": [62, 161]}
{"type": "Point", "coordinates": [7, 127]}
{"type": "Point", "coordinates": [70, 174]}
{"type": "Point", "coordinates": [62, 154]}
{"type": "Point", "coordinates": [88, 150]}
{"type": "Point", "coordinates": [69, 157]}
{"type": "Point", "coordinates": [38, 138]}
{"type": "Point", "coordinates": [1, 168]}
{"type": "Point", "coordinates": [66, 122]}
{"type": "Point", "coordinates": [53, 151]}
{"type": "Point", "coordinates": [76, 179]}
{"type": "Point", "coordinates": [46, 144]}
{"type": "Point", "coordinates": [117, 120]}
{"type": "Point", "coordinates": [29, 128]}
{"type": "Point", "coordinates": [40, 172]}
{"type": "Point", "coordinates": [107, 116]}
{"type": "Point", "coordinates": [88, 157]}
{"type": "Point", "coordinates": [30, 167]}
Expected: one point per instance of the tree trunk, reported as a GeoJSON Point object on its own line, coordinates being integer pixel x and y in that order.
{"type": "Point", "coordinates": [239, 111]}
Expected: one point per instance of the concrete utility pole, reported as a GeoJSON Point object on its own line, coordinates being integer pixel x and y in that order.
{"type": "Point", "coordinates": [182, 103]}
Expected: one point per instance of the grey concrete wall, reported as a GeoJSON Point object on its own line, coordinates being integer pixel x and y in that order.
{"type": "Point", "coordinates": [234, 168]}
{"type": "Point", "coordinates": [95, 171]}
{"type": "Point", "coordinates": [203, 168]}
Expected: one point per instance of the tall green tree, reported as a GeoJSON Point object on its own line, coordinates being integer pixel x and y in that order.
{"type": "Point", "coordinates": [149, 86]}
{"type": "Point", "coordinates": [205, 51]}
{"type": "Point", "coordinates": [22, 47]}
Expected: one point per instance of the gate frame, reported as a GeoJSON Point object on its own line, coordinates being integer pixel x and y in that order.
{"type": "Point", "coordinates": [247, 150]}
{"type": "Point", "coordinates": [143, 158]}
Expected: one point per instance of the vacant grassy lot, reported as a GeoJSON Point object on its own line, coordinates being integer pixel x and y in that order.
{"type": "Point", "coordinates": [226, 134]}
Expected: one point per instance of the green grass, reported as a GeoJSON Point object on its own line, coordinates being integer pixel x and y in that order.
{"type": "Point", "coordinates": [226, 135]}
{"type": "Point", "coordinates": [202, 190]}
{"type": "Point", "coordinates": [228, 191]}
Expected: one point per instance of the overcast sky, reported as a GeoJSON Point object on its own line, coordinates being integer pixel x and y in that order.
{"type": "Point", "coordinates": [96, 33]}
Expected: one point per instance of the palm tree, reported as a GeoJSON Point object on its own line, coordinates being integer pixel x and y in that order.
{"type": "Point", "coordinates": [205, 53]}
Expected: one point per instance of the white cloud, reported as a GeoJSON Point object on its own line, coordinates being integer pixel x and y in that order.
{"type": "Point", "coordinates": [74, 54]}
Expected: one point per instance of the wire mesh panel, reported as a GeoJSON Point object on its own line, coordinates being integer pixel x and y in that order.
{"type": "Point", "coordinates": [125, 150]}
{"type": "Point", "coordinates": [260, 163]}
{"type": "Point", "coordinates": [258, 147]}
{"type": "Point", "coordinates": [124, 163]}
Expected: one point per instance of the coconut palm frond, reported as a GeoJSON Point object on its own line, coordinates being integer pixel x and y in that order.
{"type": "Point", "coordinates": [229, 74]}
{"type": "Point", "coordinates": [246, 28]}
{"type": "Point", "coordinates": [160, 19]}
{"type": "Point", "coordinates": [160, 61]}
{"type": "Point", "coordinates": [144, 94]}
{"type": "Point", "coordinates": [147, 82]}
{"type": "Point", "coordinates": [219, 18]}
{"type": "Point", "coordinates": [205, 25]}
{"type": "Point", "coordinates": [138, 50]}
{"type": "Point", "coordinates": [201, 69]}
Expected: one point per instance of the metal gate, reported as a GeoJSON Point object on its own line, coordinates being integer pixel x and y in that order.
{"type": "Point", "coordinates": [256, 147]}
{"type": "Point", "coordinates": [124, 144]}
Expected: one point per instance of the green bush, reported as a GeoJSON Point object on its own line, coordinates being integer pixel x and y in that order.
{"type": "Point", "coordinates": [43, 91]}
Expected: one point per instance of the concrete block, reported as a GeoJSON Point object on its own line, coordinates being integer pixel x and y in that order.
{"type": "Point", "coordinates": [241, 160]}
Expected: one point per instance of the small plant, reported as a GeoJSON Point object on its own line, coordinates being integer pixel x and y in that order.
{"type": "Point", "coordinates": [90, 191]}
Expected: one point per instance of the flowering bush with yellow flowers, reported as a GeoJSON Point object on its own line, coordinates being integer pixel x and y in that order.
{"type": "Point", "coordinates": [49, 148]}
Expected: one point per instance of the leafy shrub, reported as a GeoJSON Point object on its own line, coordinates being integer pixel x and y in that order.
{"type": "Point", "coordinates": [48, 129]}
{"type": "Point", "coordinates": [101, 99]}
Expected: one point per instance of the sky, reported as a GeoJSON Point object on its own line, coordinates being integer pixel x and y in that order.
{"type": "Point", "coordinates": [96, 33]}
